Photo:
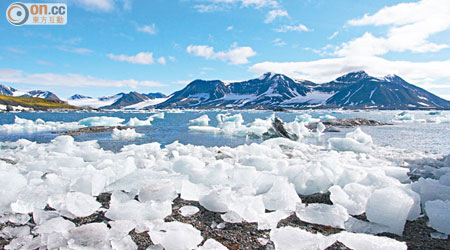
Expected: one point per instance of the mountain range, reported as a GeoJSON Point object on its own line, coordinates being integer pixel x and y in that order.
{"type": "Point", "coordinates": [276, 91]}
{"type": "Point", "coordinates": [354, 90]}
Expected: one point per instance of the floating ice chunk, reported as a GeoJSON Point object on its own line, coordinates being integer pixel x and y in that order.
{"type": "Point", "coordinates": [306, 118]}
{"type": "Point", "coordinates": [367, 241]}
{"type": "Point", "coordinates": [101, 121]}
{"type": "Point", "coordinates": [282, 196]}
{"type": "Point", "coordinates": [356, 141]}
{"type": "Point", "coordinates": [176, 235]}
{"type": "Point", "coordinates": [353, 197]}
{"type": "Point", "coordinates": [323, 214]}
{"type": "Point", "coordinates": [404, 116]}
{"type": "Point", "coordinates": [200, 121]}
{"type": "Point", "coordinates": [91, 236]}
{"type": "Point", "coordinates": [205, 129]}
{"type": "Point", "coordinates": [125, 134]}
{"type": "Point", "coordinates": [158, 116]}
{"type": "Point", "coordinates": [188, 210]}
{"type": "Point", "coordinates": [15, 232]}
{"type": "Point", "coordinates": [291, 238]}
{"type": "Point", "coordinates": [389, 207]}
{"type": "Point", "coordinates": [212, 244]}
{"type": "Point", "coordinates": [28, 126]}
{"type": "Point", "coordinates": [327, 117]}
{"type": "Point", "coordinates": [439, 214]}
{"type": "Point", "coordinates": [80, 204]}
{"type": "Point", "coordinates": [162, 190]}
{"type": "Point", "coordinates": [360, 136]}
{"type": "Point", "coordinates": [135, 122]}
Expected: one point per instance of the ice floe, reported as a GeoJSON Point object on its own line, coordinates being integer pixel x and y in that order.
{"type": "Point", "coordinates": [125, 134]}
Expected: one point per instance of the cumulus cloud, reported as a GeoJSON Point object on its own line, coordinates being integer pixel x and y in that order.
{"type": "Point", "coordinates": [410, 25]}
{"type": "Point", "coordinates": [273, 14]}
{"type": "Point", "coordinates": [71, 80]}
{"type": "Point", "coordinates": [229, 28]}
{"type": "Point", "coordinates": [149, 29]}
{"type": "Point", "coordinates": [139, 58]}
{"type": "Point", "coordinates": [287, 28]}
{"type": "Point", "coordinates": [324, 70]}
{"type": "Point", "coordinates": [162, 60]}
{"type": "Point", "coordinates": [235, 55]}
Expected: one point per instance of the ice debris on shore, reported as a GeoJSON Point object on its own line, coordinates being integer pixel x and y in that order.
{"type": "Point", "coordinates": [21, 125]}
{"type": "Point", "coordinates": [125, 134]}
{"type": "Point", "coordinates": [258, 183]}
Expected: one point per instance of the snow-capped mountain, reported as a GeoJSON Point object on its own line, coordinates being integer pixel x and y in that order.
{"type": "Point", "coordinates": [79, 97]}
{"type": "Point", "coordinates": [6, 90]}
{"type": "Point", "coordinates": [87, 101]}
{"type": "Point", "coordinates": [353, 90]}
{"type": "Point", "coordinates": [132, 100]}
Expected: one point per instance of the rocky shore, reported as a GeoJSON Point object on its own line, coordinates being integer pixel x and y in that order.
{"type": "Point", "coordinates": [417, 234]}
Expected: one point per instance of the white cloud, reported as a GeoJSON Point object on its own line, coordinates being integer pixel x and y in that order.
{"type": "Point", "coordinates": [45, 63]}
{"type": "Point", "coordinates": [273, 14]}
{"type": "Point", "coordinates": [172, 58]}
{"type": "Point", "coordinates": [70, 80]}
{"type": "Point", "coordinates": [286, 28]}
{"type": "Point", "coordinates": [139, 58]}
{"type": "Point", "coordinates": [94, 5]}
{"type": "Point", "coordinates": [162, 60]}
{"type": "Point", "coordinates": [229, 28]}
{"type": "Point", "coordinates": [149, 29]}
{"type": "Point", "coordinates": [15, 50]}
{"type": "Point", "coordinates": [278, 42]}
{"type": "Point", "coordinates": [409, 27]}
{"type": "Point", "coordinates": [81, 51]}
{"type": "Point", "coordinates": [324, 70]}
{"type": "Point", "coordinates": [235, 55]}
{"type": "Point", "coordinates": [333, 35]}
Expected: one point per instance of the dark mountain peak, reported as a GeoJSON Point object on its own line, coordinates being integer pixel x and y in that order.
{"type": "Point", "coordinates": [79, 97]}
{"type": "Point", "coordinates": [394, 78]}
{"type": "Point", "coordinates": [353, 77]}
{"type": "Point", "coordinates": [126, 100]}
{"type": "Point", "coordinates": [41, 94]}
{"type": "Point", "coordinates": [155, 95]}
{"type": "Point", "coordinates": [6, 90]}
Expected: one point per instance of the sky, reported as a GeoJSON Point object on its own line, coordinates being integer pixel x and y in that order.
{"type": "Point", "coordinates": [111, 46]}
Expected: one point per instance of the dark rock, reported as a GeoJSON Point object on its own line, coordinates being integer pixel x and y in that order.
{"type": "Point", "coordinates": [346, 123]}
{"type": "Point", "coordinates": [12, 162]}
{"type": "Point", "coordinates": [278, 130]}
{"type": "Point", "coordinates": [337, 246]}
{"type": "Point", "coordinates": [87, 130]}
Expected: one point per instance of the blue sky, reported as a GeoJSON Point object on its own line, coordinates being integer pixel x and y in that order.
{"type": "Point", "coordinates": [111, 46]}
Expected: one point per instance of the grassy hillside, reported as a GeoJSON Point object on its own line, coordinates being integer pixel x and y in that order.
{"type": "Point", "coordinates": [35, 103]}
